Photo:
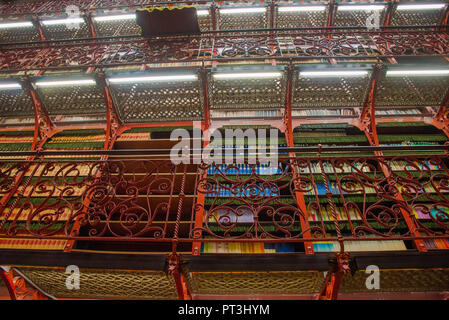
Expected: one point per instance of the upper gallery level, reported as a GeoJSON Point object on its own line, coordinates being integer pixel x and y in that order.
{"type": "Point", "coordinates": [31, 20]}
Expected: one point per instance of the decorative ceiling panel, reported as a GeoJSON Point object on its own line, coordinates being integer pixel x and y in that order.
{"type": "Point", "coordinates": [15, 102]}
{"type": "Point", "coordinates": [116, 28]}
{"type": "Point", "coordinates": [66, 31]}
{"type": "Point", "coordinates": [158, 101]}
{"type": "Point", "coordinates": [248, 93]}
{"type": "Point", "coordinates": [243, 20]}
{"type": "Point", "coordinates": [416, 17]}
{"type": "Point", "coordinates": [25, 34]}
{"type": "Point", "coordinates": [300, 19]}
{"type": "Point", "coordinates": [74, 99]}
{"type": "Point", "coordinates": [329, 91]}
{"type": "Point", "coordinates": [411, 91]}
{"type": "Point", "coordinates": [358, 18]}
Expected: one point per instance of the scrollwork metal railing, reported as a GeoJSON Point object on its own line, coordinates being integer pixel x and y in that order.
{"type": "Point", "coordinates": [358, 198]}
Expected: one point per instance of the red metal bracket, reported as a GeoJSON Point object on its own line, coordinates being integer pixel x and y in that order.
{"type": "Point", "coordinates": [43, 126]}
{"type": "Point", "coordinates": [334, 277]}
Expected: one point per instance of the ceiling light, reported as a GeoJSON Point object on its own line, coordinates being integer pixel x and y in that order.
{"type": "Point", "coordinates": [360, 7]}
{"type": "Point", "coordinates": [243, 10]}
{"type": "Point", "coordinates": [16, 24]}
{"type": "Point", "coordinates": [115, 17]}
{"type": "Point", "coordinates": [334, 73]}
{"type": "Point", "coordinates": [301, 8]}
{"type": "Point", "coordinates": [202, 12]}
{"type": "Point", "coordinates": [247, 75]}
{"type": "Point", "coordinates": [420, 6]}
{"type": "Point", "coordinates": [62, 21]}
{"type": "Point", "coordinates": [182, 77]}
{"type": "Point", "coordinates": [61, 83]}
{"type": "Point", "coordinates": [10, 86]}
{"type": "Point", "coordinates": [398, 73]}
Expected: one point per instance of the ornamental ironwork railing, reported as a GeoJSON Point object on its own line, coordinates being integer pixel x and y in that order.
{"type": "Point", "coordinates": [281, 44]}
{"type": "Point", "coordinates": [304, 198]}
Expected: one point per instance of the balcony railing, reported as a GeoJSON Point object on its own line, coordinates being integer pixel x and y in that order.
{"type": "Point", "coordinates": [136, 195]}
{"type": "Point", "coordinates": [228, 45]}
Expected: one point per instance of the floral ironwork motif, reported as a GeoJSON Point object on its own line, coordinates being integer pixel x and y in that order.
{"type": "Point", "coordinates": [294, 44]}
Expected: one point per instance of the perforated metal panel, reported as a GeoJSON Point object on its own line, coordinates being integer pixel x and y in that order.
{"type": "Point", "coordinates": [66, 31]}
{"type": "Point", "coordinates": [75, 99]}
{"type": "Point", "coordinates": [104, 284]}
{"type": "Point", "coordinates": [329, 91]}
{"type": "Point", "coordinates": [275, 282]}
{"type": "Point", "coordinates": [256, 93]}
{"type": "Point", "coordinates": [399, 281]}
{"type": "Point", "coordinates": [416, 17]}
{"type": "Point", "coordinates": [16, 102]}
{"type": "Point", "coordinates": [300, 19]}
{"type": "Point", "coordinates": [358, 18]}
{"type": "Point", "coordinates": [117, 28]}
{"type": "Point", "coordinates": [159, 101]}
{"type": "Point", "coordinates": [243, 20]}
{"type": "Point", "coordinates": [411, 91]}
{"type": "Point", "coordinates": [19, 34]}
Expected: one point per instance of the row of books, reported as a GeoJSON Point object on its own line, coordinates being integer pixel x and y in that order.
{"type": "Point", "coordinates": [246, 114]}
{"type": "Point", "coordinates": [68, 171]}
{"type": "Point", "coordinates": [241, 216]}
{"type": "Point", "coordinates": [361, 246]}
{"type": "Point", "coordinates": [24, 121]}
{"type": "Point", "coordinates": [322, 112]}
{"type": "Point", "coordinates": [68, 139]}
{"type": "Point", "coordinates": [433, 213]}
{"type": "Point", "coordinates": [32, 244]}
{"type": "Point", "coordinates": [16, 139]}
{"type": "Point", "coordinates": [246, 169]}
{"type": "Point", "coordinates": [334, 189]}
{"type": "Point", "coordinates": [23, 214]}
{"type": "Point", "coordinates": [326, 214]}
{"type": "Point", "coordinates": [328, 168]}
{"type": "Point", "coordinates": [401, 165]}
{"type": "Point", "coordinates": [246, 247]}
{"type": "Point", "coordinates": [231, 190]}
{"type": "Point", "coordinates": [383, 112]}
{"type": "Point", "coordinates": [432, 244]}
{"type": "Point", "coordinates": [134, 136]}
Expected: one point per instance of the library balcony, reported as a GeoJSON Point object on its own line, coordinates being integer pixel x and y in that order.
{"type": "Point", "coordinates": [356, 92]}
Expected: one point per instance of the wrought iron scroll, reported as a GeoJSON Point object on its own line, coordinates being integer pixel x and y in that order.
{"type": "Point", "coordinates": [294, 44]}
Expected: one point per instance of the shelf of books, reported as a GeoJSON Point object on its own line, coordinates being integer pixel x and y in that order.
{"type": "Point", "coordinates": [143, 196]}
{"type": "Point", "coordinates": [50, 195]}
{"type": "Point", "coordinates": [10, 178]}
{"type": "Point", "coordinates": [348, 191]}
{"type": "Point", "coordinates": [239, 196]}
{"type": "Point", "coordinates": [423, 174]}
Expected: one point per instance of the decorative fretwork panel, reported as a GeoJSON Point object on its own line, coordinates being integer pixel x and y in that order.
{"type": "Point", "coordinates": [75, 99]}
{"type": "Point", "coordinates": [163, 101]}
{"type": "Point", "coordinates": [286, 19]}
{"type": "Point", "coordinates": [67, 31]}
{"type": "Point", "coordinates": [416, 17]}
{"type": "Point", "coordinates": [104, 284]}
{"type": "Point", "coordinates": [399, 281]}
{"type": "Point", "coordinates": [19, 35]}
{"type": "Point", "coordinates": [117, 28]}
{"type": "Point", "coordinates": [116, 199]}
{"type": "Point", "coordinates": [257, 20]}
{"type": "Point", "coordinates": [16, 102]}
{"type": "Point", "coordinates": [258, 93]}
{"type": "Point", "coordinates": [358, 18]}
{"type": "Point", "coordinates": [273, 282]}
{"type": "Point", "coordinates": [411, 91]}
{"type": "Point", "coordinates": [329, 92]}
